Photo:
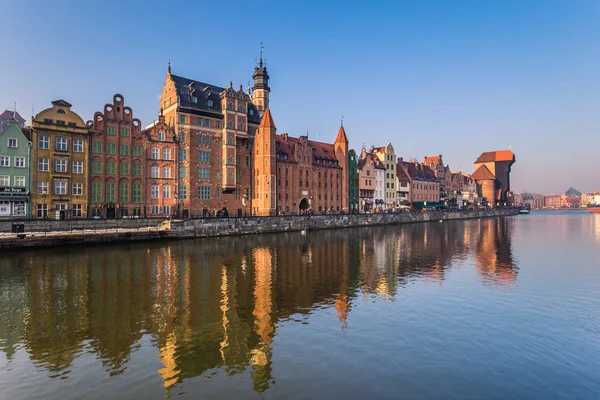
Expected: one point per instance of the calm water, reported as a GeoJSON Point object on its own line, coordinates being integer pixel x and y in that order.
{"type": "Point", "coordinates": [495, 308]}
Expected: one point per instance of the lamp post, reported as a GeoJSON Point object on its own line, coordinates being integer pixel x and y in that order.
{"type": "Point", "coordinates": [44, 213]}
{"type": "Point", "coordinates": [244, 200]}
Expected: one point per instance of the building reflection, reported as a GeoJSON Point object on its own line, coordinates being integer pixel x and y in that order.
{"type": "Point", "coordinates": [213, 306]}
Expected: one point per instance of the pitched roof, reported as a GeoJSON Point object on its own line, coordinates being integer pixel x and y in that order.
{"type": "Point", "coordinates": [323, 154]}
{"type": "Point", "coordinates": [482, 173]}
{"type": "Point", "coordinates": [499, 155]}
{"type": "Point", "coordinates": [402, 172]}
{"type": "Point", "coordinates": [62, 103]}
{"type": "Point", "coordinates": [187, 89]}
{"type": "Point", "coordinates": [9, 114]}
{"type": "Point", "coordinates": [432, 160]}
{"type": "Point", "coordinates": [267, 120]}
{"type": "Point", "coordinates": [341, 136]}
{"type": "Point", "coordinates": [376, 161]}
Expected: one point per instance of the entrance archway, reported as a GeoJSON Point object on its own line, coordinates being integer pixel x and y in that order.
{"type": "Point", "coordinates": [303, 205]}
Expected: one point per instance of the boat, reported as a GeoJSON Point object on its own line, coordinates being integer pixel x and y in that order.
{"type": "Point", "coordinates": [524, 211]}
{"type": "Point", "coordinates": [594, 209]}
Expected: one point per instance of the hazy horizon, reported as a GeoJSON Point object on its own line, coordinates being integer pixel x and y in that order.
{"type": "Point", "coordinates": [431, 77]}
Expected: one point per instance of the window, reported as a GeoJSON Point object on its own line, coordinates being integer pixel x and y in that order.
{"type": "Point", "coordinates": [166, 192]}
{"type": "Point", "coordinates": [230, 125]}
{"type": "Point", "coordinates": [96, 192]}
{"type": "Point", "coordinates": [19, 208]}
{"type": "Point", "coordinates": [204, 173]}
{"type": "Point", "coordinates": [183, 154]}
{"type": "Point", "coordinates": [111, 148]}
{"type": "Point", "coordinates": [137, 169]}
{"type": "Point", "coordinates": [218, 124]}
{"type": "Point", "coordinates": [137, 192]}
{"type": "Point", "coordinates": [41, 187]}
{"type": "Point", "coordinates": [96, 167]}
{"type": "Point", "coordinates": [110, 192]}
{"type": "Point", "coordinates": [204, 193]}
{"type": "Point", "coordinates": [124, 168]}
{"type": "Point", "coordinates": [166, 210]}
{"type": "Point", "coordinates": [162, 136]}
{"type": "Point", "coordinates": [60, 187]}
{"type": "Point", "coordinates": [124, 131]}
{"type": "Point", "coordinates": [204, 156]}
{"type": "Point", "coordinates": [42, 164]}
{"type": "Point", "coordinates": [61, 143]}
{"type": "Point", "coordinates": [247, 161]}
{"type": "Point", "coordinates": [4, 180]}
{"type": "Point", "coordinates": [207, 140]}
{"type": "Point", "coordinates": [183, 192]}
{"type": "Point", "coordinates": [77, 209]}
{"type": "Point", "coordinates": [78, 167]}
{"type": "Point", "coordinates": [124, 149]}
{"type": "Point", "coordinates": [207, 123]}
{"type": "Point", "coordinates": [97, 147]}
{"type": "Point", "coordinates": [43, 142]}
{"type": "Point", "coordinates": [4, 161]}
{"type": "Point", "coordinates": [111, 131]}
{"type": "Point", "coordinates": [166, 154]}
{"type": "Point", "coordinates": [230, 106]}
{"type": "Point", "coordinates": [241, 108]}
{"type": "Point", "coordinates": [241, 127]}
{"type": "Point", "coordinates": [42, 210]}
{"type": "Point", "coordinates": [73, 124]}
{"type": "Point", "coordinates": [123, 192]}
{"type": "Point", "coordinates": [183, 172]}
{"type": "Point", "coordinates": [12, 142]}
{"type": "Point", "coordinates": [137, 151]}
{"type": "Point", "coordinates": [182, 119]}
{"type": "Point", "coordinates": [154, 154]}
{"type": "Point", "coordinates": [47, 121]}
{"type": "Point", "coordinates": [154, 172]}
{"type": "Point", "coordinates": [19, 162]}
{"type": "Point", "coordinates": [154, 210]}
{"type": "Point", "coordinates": [199, 121]}
{"type": "Point", "coordinates": [78, 145]}
{"type": "Point", "coordinates": [194, 99]}
{"type": "Point", "coordinates": [60, 122]}
{"type": "Point", "coordinates": [111, 167]}
{"type": "Point", "coordinates": [77, 189]}
{"type": "Point", "coordinates": [60, 165]}
{"type": "Point", "coordinates": [154, 192]}
{"type": "Point", "coordinates": [251, 112]}
{"type": "Point", "coordinates": [166, 172]}
{"type": "Point", "coordinates": [182, 137]}
{"type": "Point", "coordinates": [209, 103]}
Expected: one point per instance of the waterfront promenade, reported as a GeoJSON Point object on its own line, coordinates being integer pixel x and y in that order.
{"type": "Point", "coordinates": [53, 233]}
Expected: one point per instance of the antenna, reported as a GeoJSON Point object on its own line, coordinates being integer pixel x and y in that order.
{"type": "Point", "coordinates": [15, 109]}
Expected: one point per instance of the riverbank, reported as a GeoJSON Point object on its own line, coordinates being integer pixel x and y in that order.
{"type": "Point", "coordinates": [95, 232]}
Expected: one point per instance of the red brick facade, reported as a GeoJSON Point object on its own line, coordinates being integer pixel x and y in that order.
{"type": "Point", "coordinates": [116, 162]}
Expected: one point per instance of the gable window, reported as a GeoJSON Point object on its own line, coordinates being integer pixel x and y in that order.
{"type": "Point", "coordinates": [12, 142]}
{"type": "Point", "coordinates": [124, 131]}
{"type": "Point", "coordinates": [111, 131]}
{"type": "Point", "coordinates": [209, 103]}
{"type": "Point", "coordinates": [162, 136]}
{"type": "Point", "coordinates": [194, 99]}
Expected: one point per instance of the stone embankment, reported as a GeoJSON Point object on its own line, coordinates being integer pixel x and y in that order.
{"type": "Point", "coordinates": [54, 233]}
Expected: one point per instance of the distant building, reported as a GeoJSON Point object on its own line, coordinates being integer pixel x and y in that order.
{"type": "Point", "coordinates": [6, 116]}
{"type": "Point", "coordinates": [353, 195]}
{"type": "Point", "coordinates": [367, 181]}
{"type": "Point", "coordinates": [15, 171]}
{"type": "Point", "coordinates": [424, 185]}
{"type": "Point", "coordinates": [59, 163]}
{"type": "Point", "coordinates": [403, 183]}
{"type": "Point", "coordinates": [492, 174]}
{"type": "Point", "coordinates": [441, 171]}
{"type": "Point", "coordinates": [387, 157]}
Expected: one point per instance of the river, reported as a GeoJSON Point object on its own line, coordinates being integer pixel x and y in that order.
{"type": "Point", "coordinates": [492, 308]}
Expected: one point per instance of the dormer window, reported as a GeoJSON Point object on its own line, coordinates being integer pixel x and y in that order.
{"type": "Point", "coordinates": [194, 99]}
{"type": "Point", "coordinates": [162, 136]}
{"type": "Point", "coordinates": [251, 112]}
{"type": "Point", "coordinates": [209, 103]}
{"type": "Point", "coordinates": [60, 111]}
{"type": "Point", "coordinates": [285, 157]}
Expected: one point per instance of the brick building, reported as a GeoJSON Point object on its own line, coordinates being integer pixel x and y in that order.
{"type": "Point", "coordinates": [161, 158]}
{"type": "Point", "coordinates": [492, 174]}
{"type": "Point", "coordinates": [424, 185]}
{"type": "Point", "coordinates": [116, 179]}
{"type": "Point", "coordinates": [294, 175]}
{"type": "Point", "coordinates": [216, 127]}
{"type": "Point", "coordinates": [441, 171]}
{"type": "Point", "coordinates": [59, 162]}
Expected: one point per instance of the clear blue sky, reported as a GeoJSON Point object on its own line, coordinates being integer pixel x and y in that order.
{"type": "Point", "coordinates": [450, 77]}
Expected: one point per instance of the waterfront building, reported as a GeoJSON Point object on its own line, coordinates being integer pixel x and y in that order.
{"type": "Point", "coordinates": [7, 116]}
{"type": "Point", "coordinates": [116, 177]}
{"type": "Point", "coordinates": [15, 171]}
{"type": "Point", "coordinates": [492, 174]}
{"type": "Point", "coordinates": [353, 195]}
{"type": "Point", "coordinates": [367, 182]}
{"type": "Point", "coordinates": [463, 188]}
{"type": "Point", "coordinates": [424, 185]}
{"type": "Point", "coordinates": [163, 154]}
{"type": "Point", "coordinates": [295, 175]}
{"type": "Point", "coordinates": [387, 157]}
{"type": "Point", "coordinates": [441, 171]}
{"type": "Point", "coordinates": [403, 183]}
{"type": "Point", "coordinates": [552, 201]}
{"type": "Point", "coordinates": [59, 163]}
{"type": "Point", "coordinates": [216, 128]}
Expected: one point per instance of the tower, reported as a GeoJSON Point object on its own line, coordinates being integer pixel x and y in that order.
{"type": "Point", "coordinates": [341, 153]}
{"type": "Point", "coordinates": [261, 87]}
{"type": "Point", "coordinates": [265, 163]}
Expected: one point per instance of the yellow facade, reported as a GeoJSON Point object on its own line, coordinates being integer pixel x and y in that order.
{"type": "Point", "coordinates": [59, 163]}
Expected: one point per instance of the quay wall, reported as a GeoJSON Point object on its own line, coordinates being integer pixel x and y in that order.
{"type": "Point", "coordinates": [58, 233]}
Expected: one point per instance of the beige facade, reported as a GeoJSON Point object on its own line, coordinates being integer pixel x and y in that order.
{"type": "Point", "coordinates": [387, 156]}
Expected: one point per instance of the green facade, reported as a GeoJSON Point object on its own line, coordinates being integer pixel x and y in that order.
{"type": "Point", "coordinates": [15, 172]}
{"type": "Point", "coordinates": [352, 182]}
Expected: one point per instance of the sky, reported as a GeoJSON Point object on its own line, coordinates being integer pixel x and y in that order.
{"type": "Point", "coordinates": [455, 78]}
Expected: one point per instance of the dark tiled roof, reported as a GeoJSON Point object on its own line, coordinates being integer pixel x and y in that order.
{"type": "Point", "coordinates": [9, 114]}
{"type": "Point", "coordinates": [322, 153]}
{"type": "Point", "coordinates": [27, 132]}
{"type": "Point", "coordinates": [62, 103]}
{"type": "Point", "coordinates": [187, 89]}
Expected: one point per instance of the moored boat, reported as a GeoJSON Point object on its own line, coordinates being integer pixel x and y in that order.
{"type": "Point", "coordinates": [594, 209]}
{"type": "Point", "coordinates": [524, 211]}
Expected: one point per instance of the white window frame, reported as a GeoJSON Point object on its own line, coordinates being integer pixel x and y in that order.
{"type": "Point", "coordinates": [44, 142]}
{"type": "Point", "coordinates": [16, 143]}
{"type": "Point", "coordinates": [77, 167]}
{"type": "Point", "coordinates": [162, 136]}
{"type": "Point", "coordinates": [19, 162]}
{"type": "Point", "coordinates": [44, 163]}
{"type": "Point", "coordinates": [20, 178]}
{"type": "Point", "coordinates": [155, 153]}
{"type": "Point", "coordinates": [155, 172]}
{"type": "Point", "coordinates": [60, 187]}
{"type": "Point", "coordinates": [166, 172]}
{"type": "Point", "coordinates": [154, 192]}
{"type": "Point", "coordinates": [62, 163]}
{"type": "Point", "coordinates": [78, 145]}
{"type": "Point", "coordinates": [166, 154]}
{"type": "Point", "coordinates": [41, 186]}
{"type": "Point", "coordinates": [166, 192]}
{"type": "Point", "coordinates": [5, 161]}
{"type": "Point", "coordinates": [77, 189]}
{"type": "Point", "coordinates": [4, 180]}
{"type": "Point", "coordinates": [64, 144]}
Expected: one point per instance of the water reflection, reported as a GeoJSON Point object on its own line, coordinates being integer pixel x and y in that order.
{"type": "Point", "coordinates": [215, 305]}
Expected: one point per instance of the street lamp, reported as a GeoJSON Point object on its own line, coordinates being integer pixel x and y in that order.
{"type": "Point", "coordinates": [244, 199]}
{"type": "Point", "coordinates": [44, 213]}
